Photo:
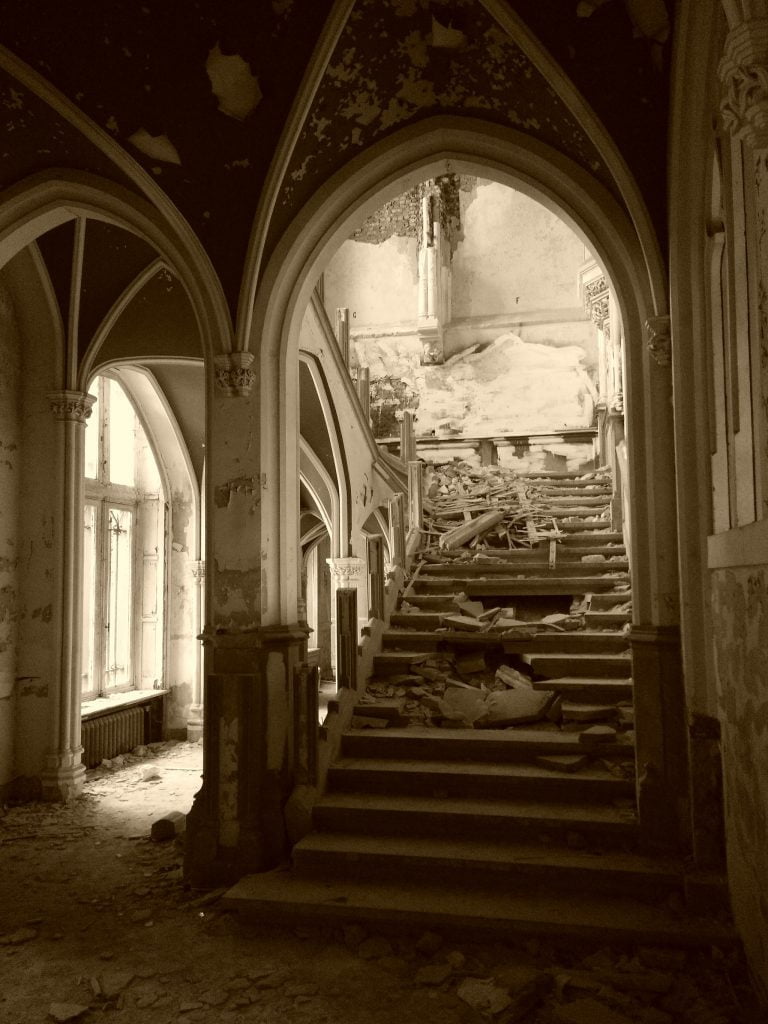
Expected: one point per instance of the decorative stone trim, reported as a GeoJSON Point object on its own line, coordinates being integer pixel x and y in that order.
{"type": "Point", "coordinates": [597, 303]}
{"type": "Point", "coordinates": [346, 570]}
{"type": "Point", "coordinates": [71, 405]}
{"type": "Point", "coordinates": [234, 374]}
{"type": "Point", "coordinates": [743, 74]}
{"type": "Point", "coordinates": [659, 339]}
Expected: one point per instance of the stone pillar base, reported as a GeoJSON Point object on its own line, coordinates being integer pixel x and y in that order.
{"type": "Point", "coordinates": [237, 823]}
{"type": "Point", "coordinates": [661, 738]}
{"type": "Point", "coordinates": [63, 782]}
{"type": "Point", "coordinates": [195, 723]}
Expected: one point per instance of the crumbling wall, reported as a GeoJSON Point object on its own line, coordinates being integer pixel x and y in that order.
{"type": "Point", "coordinates": [740, 620]}
{"type": "Point", "coordinates": [377, 282]}
{"type": "Point", "coordinates": [41, 461]}
{"type": "Point", "coordinates": [9, 542]}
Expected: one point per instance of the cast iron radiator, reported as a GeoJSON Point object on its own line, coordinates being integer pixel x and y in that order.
{"type": "Point", "coordinates": [114, 733]}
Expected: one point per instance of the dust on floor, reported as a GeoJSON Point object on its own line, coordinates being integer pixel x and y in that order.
{"type": "Point", "coordinates": [96, 924]}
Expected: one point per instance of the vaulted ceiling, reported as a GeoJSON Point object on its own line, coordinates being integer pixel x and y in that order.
{"type": "Point", "coordinates": [199, 92]}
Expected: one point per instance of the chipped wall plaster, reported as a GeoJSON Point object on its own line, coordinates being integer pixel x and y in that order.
{"type": "Point", "coordinates": [740, 623]}
{"type": "Point", "coordinates": [10, 478]}
{"type": "Point", "coordinates": [233, 83]}
{"type": "Point", "coordinates": [41, 487]}
{"type": "Point", "coordinates": [385, 73]}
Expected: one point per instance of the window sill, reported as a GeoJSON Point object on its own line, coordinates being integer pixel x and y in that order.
{"type": "Point", "coordinates": [744, 545]}
{"type": "Point", "coordinates": [101, 705]}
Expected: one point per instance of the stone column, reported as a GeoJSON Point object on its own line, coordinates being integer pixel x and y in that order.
{"type": "Point", "coordinates": [364, 391]}
{"type": "Point", "coordinates": [407, 436]}
{"type": "Point", "coordinates": [237, 821]}
{"type": "Point", "coordinates": [346, 637]}
{"type": "Point", "coordinates": [342, 332]}
{"type": "Point", "coordinates": [434, 281]}
{"type": "Point", "coordinates": [661, 737]}
{"type": "Point", "coordinates": [415, 495]}
{"type": "Point", "coordinates": [62, 778]}
{"type": "Point", "coordinates": [347, 573]}
{"type": "Point", "coordinates": [397, 530]}
{"type": "Point", "coordinates": [195, 719]}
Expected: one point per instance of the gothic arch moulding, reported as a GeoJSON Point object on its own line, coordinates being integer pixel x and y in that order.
{"type": "Point", "coordinates": [416, 152]}
{"type": "Point", "coordinates": [44, 201]}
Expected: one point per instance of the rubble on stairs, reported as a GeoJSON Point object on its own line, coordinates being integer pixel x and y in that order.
{"type": "Point", "coordinates": [478, 508]}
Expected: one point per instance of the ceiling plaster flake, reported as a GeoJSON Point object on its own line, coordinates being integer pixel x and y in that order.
{"type": "Point", "coordinates": [399, 61]}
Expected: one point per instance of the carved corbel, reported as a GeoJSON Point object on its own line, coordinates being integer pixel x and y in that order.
{"type": "Point", "coordinates": [659, 339]}
{"type": "Point", "coordinates": [234, 374]}
{"type": "Point", "coordinates": [71, 405]}
{"type": "Point", "coordinates": [346, 571]}
{"type": "Point", "coordinates": [597, 303]}
{"type": "Point", "coordinates": [743, 75]}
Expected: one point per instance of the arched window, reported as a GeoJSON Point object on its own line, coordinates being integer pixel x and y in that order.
{"type": "Point", "coordinates": [124, 550]}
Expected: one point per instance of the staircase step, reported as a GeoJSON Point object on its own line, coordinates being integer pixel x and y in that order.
{"type": "Point", "coordinates": [608, 601]}
{"type": "Point", "coordinates": [584, 499]}
{"type": "Point", "coordinates": [503, 746]}
{"type": "Point", "coordinates": [600, 823]}
{"type": "Point", "coordinates": [602, 619]}
{"type": "Point", "coordinates": [546, 641]}
{"type": "Point", "coordinates": [580, 642]}
{"type": "Point", "coordinates": [556, 666]}
{"type": "Point", "coordinates": [472, 863]}
{"type": "Point", "coordinates": [486, 779]}
{"type": "Point", "coordinates": [583, 524]}
{"type": "Point", "coordinates": [521, 569]}
{"type": "Point", "coordinates": [286, 897]}
{"type": "Point", "coordinates": [511, 586]}
{"type": "Point", "coordinates": [593, 537]}
{"type": "Point", "coordinates": [583, 688]}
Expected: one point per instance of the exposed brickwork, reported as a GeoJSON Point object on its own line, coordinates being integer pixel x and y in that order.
{"type": "Point", "coordinates": [401, 216]}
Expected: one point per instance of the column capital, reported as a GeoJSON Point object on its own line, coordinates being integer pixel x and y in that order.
{"type": "Point", "coordinates": [596, 295]}
{"type": "Point", "coordinates": [743, 73]}
{"type": "Point", "coordinates": [346, 570]}
{"type": "Point", "coordinates": [659, 339]}
{"type": "Point", "coordinates": [234, 375]}
{"type": "Point", "coordinates": [71, 405]}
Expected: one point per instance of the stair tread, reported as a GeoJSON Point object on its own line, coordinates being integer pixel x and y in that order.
{"type": "Point", "coordinates": [553, 742]}
{"type": "Point", "coordinates": [511, 852]}
{"type": "Point", "coordinates": [609, 918]}
{"type": "Point", "coordinates": [585, 812]}
{"type": "Point", "coordinates": [435, 768]}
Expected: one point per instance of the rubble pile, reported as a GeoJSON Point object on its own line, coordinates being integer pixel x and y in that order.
{"type": "Point", "coordinates": [474, 508]}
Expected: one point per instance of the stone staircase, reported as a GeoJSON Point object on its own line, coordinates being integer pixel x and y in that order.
{"type": "Point", "coordinates": [529, 827]}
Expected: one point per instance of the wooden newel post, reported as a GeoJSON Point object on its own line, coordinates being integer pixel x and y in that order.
{"type": "Point", "coordinates": [397, 529]}
{"type": "Point", "coordinates": [407, 437]}
{"type": "Point", "coordinates": [346, 637]}
{"type": "Point", "coordinates": [342, 332]}
{"type": "Point", "coordinates": [306, 685]}
{"type": "Point", "coordinates": [376, 576]}
{"type": "Point", "coordinates": [415, 495]}
{"type": "Point", "coordinates": [364, 391]}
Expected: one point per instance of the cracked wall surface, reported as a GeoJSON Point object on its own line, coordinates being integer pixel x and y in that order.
{"type": "Point", "coordinates": [740, 618]}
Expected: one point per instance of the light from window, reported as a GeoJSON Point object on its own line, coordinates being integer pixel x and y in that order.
{"type": "Point", "coordinates": [89, 595]}
{"type": "Point", "coordinates": [122, 437]}
{"type": "Point", "coordinates": [119, 670]}
{"type": "Point", "coordinates": [92, 436]}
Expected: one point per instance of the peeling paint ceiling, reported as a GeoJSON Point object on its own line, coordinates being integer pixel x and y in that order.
{"type": "Point", "coordinates": [198, 93]}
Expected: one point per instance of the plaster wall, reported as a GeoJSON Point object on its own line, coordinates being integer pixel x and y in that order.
{"type": "Point", "coordinates": [740, 617]}
{"type": "Point", "coordinates": [41, 458]}
{"type": "Point", "coordinates": [367, 489]}
{"type": "Point", "coordinates": [378, 282]}
{"type": "Point", "coordinates": [514, 255]}
{"type": "Point", "coordinates": [10, 472]}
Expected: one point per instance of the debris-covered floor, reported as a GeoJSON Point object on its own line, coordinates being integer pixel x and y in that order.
{"type": "Point", "coordinates": [97, 925]}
